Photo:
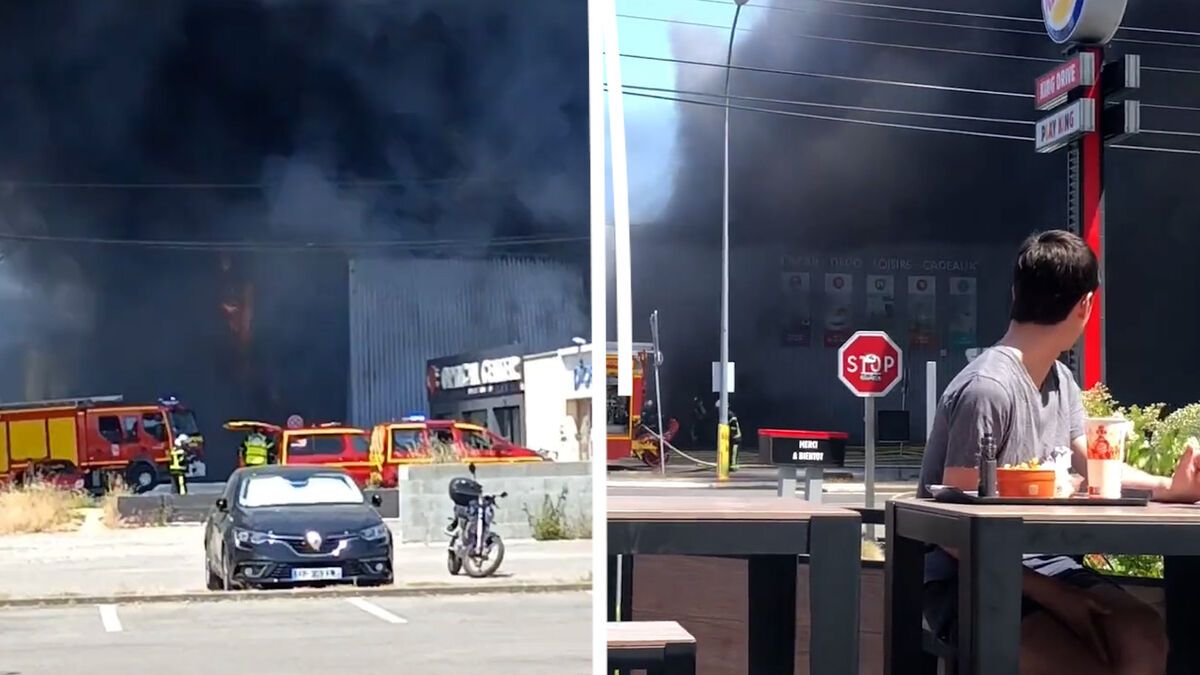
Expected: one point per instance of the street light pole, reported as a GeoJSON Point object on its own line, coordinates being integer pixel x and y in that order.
{"type": "Point", "coordinates": [723, 417]}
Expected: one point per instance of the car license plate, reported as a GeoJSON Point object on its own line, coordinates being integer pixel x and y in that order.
{"type": "Point", "coordinates": [316, 573]}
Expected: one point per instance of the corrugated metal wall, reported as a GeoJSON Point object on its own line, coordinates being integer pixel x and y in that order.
{"type": "Point", "coordinates": [406, 311]}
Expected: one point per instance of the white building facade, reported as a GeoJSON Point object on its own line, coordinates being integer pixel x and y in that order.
{"type": "Point", "coordinates": [558, 391]}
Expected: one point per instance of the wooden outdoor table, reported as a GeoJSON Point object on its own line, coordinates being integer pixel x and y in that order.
{"type": "Point", "coordinates": [990, 540]}
{"type": "Point", "coordinates": [770, 533]}
{"type": "Point", "coordinates": [665, 644]}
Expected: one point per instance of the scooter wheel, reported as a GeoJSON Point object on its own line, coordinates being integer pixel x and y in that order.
{"type": "Point", "coordinates": [453, 563]}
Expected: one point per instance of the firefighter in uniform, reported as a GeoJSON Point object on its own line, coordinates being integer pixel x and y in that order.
{"type": "Point", "coordinates": [735, 439]}
{"type": "Point", "coordinates": [256, 450]}
{"type": "Point", "coordinates": [177, 465]}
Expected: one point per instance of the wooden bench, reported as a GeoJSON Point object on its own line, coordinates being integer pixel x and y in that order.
{"type": "Point", "coordinates": [661, 647]}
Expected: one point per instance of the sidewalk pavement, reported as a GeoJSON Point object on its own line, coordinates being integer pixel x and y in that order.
{"type": "Point", "coordinates": [170, 560]}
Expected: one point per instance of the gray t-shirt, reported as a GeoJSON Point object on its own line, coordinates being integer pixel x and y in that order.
{"type": "Point", "coordinates": [995, 394]}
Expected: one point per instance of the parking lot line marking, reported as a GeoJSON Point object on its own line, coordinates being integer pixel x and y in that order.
{"type": "Point", "coordinates": [108, 616]}
{"type": "Point", "coordinates": [375, 610]}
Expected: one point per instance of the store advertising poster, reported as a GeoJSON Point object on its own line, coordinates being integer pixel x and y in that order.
{"type": "Point", "coordinates": [839, 309]}
{"type": "Point", "coordinates": [797, 309]}
{"type": "Point", "coordinates": [963, 312]}
{"type": "Point", "coordinates": [881, 302]}
{"type": "Point", "coordinates": [922, 312]}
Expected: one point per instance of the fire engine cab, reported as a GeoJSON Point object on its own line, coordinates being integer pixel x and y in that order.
{"type": "Point", "coordinates": [329, 444]}
{"type": "Point", "coordinates": [417, 440]}
{"type": "Point", "coordinates": [95, 438]}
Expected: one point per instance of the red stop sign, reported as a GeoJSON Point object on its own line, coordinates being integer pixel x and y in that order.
{"type": "Point", "coordinates": [870, 364]}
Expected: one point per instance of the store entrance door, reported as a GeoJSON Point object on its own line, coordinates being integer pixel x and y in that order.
{"type": "Point", "coordinates": [578, 425]}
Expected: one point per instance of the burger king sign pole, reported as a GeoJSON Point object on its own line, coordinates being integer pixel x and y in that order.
{"type": "Point", "coordinates": [1087, 107]}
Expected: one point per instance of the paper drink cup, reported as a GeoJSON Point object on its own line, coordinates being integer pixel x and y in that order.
{"type": "Point", "coordinates": [1106, 437]}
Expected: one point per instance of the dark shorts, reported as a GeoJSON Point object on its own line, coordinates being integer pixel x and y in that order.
{"type": "Point", "coordinates": [941, 600]}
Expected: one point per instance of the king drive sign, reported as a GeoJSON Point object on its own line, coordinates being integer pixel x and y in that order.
{"type": "Point", "coordinates": [870, 364]}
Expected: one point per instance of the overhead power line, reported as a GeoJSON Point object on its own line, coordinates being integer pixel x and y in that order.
{"type": "Point", "coordinates": [979, 15]}
{"type": "Point", "coordinates": [202, 185]}
{"type": "Point", "coordinates": [253, 246]}
{"type": "Point", "coordinates": [886, 19]}
{"type": "Point", "coordinates": [868, 43]}
{"type": "Point", "coordinates": [830, 118]}
{"type": "Point", "coordinates": [940, 24]}
{"type": "Point", "coordinates": [888, 45]}
{"type": "Point", "coordinates": [1148, 148]}
{"type": "Point", "coordinates": [865, 80]}
{"type": "Point", "coordinates": [1179, 108]}
{"type": "Point", "coordinates": [830, 76]}
{"type": "Point", "coordinates": [868, 109]}
{"type": "Point", "coordinates": [894, 125]}
{"type": "Point", "coordinates": [835, 106]}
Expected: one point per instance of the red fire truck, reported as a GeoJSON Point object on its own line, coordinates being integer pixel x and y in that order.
{"type": "Point", "coordinates": [330, 444]}
{"type": "Point", "coordinates": [94, 438]}
{"type": "Point", "coordinates": [628, 435]}
{"type": "Point", "coordinates": [416, 440]}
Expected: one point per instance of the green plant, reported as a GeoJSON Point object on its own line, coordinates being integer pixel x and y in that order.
{"type": "Point", "coordinates": [1142, 446]}
{"type": "Point", "coordinates": [1142, 566]}
{"type": "Point", "coordinates": [1169, 440]}
{"type": "Point", "coordinates": [1154, 446]}
{"type": "Point", "coordinates": [551, 522]}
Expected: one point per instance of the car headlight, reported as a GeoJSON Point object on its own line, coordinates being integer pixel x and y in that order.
{"type": "Point", "coordinates": [378, 532]}
{"type": "Point", "coordinates": [248, 538]}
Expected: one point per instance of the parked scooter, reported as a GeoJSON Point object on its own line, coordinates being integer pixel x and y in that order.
{"type": "Point", "coordinates": [473, 547]}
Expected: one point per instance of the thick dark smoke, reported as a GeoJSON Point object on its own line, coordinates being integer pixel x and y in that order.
{"type": "Point", "coordinates": [806, 187]}
{"type": "Point", "coordinates": [349, 121]}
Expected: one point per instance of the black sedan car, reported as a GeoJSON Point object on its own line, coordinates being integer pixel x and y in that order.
{"type": "Point", "coordinates": [290, 525]}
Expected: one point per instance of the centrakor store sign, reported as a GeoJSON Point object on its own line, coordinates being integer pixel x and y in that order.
{"type": "Point", "coordinates": [475, 378]}
{"type": "Point", "coordinates": [1092, 22]}
{"type": "Point", "coordinates": [1065, 125]}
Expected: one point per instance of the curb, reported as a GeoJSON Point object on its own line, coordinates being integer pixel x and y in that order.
{"type": "Point", "coordinates": [298, 594]}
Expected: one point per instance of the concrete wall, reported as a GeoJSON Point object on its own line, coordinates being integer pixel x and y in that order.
{"type": "Point", "coordinates": [154, 509]}
{"type": "Point", "coordinates": [425, 506]}
{"type": "Point", "coordinates": [421, 505]}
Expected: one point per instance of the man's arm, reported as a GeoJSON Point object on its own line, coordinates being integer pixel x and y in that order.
{"type": "Point", "coordinates": [983, 406]}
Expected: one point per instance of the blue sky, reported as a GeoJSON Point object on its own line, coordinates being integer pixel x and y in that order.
{"type": "Point", "coordinates": [650, 123]}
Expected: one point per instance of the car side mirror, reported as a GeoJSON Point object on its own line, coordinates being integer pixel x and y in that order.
{"type": "Point", "coordinates": [222, 504]}
{"type": "Point", "coordinates": [471, 468]}
{"type": "Point", "coordinates": [376, 499]}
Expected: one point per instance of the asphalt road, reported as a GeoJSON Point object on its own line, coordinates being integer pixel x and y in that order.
{"type": "Point", "coordinates": [533, 634]}
{"type": "Point", "coordinates": [98, 561]}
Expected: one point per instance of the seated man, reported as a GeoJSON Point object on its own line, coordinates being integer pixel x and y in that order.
{"type": "Point", "coordinates": [1073, 620]}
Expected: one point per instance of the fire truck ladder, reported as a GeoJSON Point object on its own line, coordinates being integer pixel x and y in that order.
{"type": "Point", "coordinates": [64, 402]}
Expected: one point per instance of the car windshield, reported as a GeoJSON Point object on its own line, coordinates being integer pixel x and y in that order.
{"type": "Point", "coordinates": [184, 422]}
{"type": "Point", "coordinates": [281, 491]}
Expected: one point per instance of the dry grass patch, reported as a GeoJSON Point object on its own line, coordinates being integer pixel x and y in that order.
{"type": "Point", "coordinates": [109, 514]}
{"type": "Point", "coordinates": [39, 507]}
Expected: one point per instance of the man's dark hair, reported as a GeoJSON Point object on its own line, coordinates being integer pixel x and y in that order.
{"type": "Point", "coordinates": [1054, 271]}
